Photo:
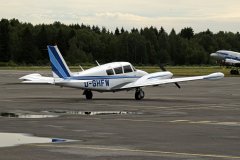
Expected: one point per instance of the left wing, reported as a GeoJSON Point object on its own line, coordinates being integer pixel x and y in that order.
{"type": "Point", "coordinates": [155, 82]}
{"type": "Point", "coordinates": [36, 78]}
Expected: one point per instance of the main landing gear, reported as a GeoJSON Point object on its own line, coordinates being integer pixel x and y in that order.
{"type": "Point", "coordinates": [139, 94]}
{"type": "Point", "coordinates": [234, 72]}
{"type": "Point", "coordinates": [88, 94]}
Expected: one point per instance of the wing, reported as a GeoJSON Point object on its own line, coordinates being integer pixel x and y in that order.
{"type": "Point", "coordinates": [36, 78]}
{"type": "Point", "coordinates": [155, 82]}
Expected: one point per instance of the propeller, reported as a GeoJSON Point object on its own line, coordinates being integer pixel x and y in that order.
{"type": "Point", "coordinates": [177, 85]}
{"type": "Point", "coordinates": [164, 69]}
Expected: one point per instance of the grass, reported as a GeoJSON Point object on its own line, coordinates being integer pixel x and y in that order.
{"type": "Point", "coordinates": [190, 70]}
{"type": "Point", "coordinates": [176, 70]}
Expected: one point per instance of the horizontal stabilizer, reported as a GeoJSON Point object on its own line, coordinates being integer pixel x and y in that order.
{"type": "Point", "coordinates": [36, 78]}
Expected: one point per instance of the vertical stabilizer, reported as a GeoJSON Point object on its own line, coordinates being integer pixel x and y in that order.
{"type": "Point", "coordinates": [58, 64]}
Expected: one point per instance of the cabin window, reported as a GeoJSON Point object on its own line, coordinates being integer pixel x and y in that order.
{"type": "Point", "coordinates": [127, 69]}
{"type": "Point", "coordinates": [118, 70]}
{"type": "Point", "coordinates": [109, 72]}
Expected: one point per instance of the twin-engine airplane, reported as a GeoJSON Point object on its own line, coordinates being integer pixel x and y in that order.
{"type": "Point", "coordinates": [228, 58]}
{"type": "Point", "coordinates": [110, 77]}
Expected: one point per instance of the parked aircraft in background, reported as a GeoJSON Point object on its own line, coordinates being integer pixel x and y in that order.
{"type": "Point", "coordinates": [110, 77]}
{"type": "Point", "coordinates": [228, 58]}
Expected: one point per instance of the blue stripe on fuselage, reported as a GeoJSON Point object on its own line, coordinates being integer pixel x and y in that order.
{"type": "Point", "coordinates": [100, 77]}
{"type": "Point", "coordinates": [229, 56]}
{"type": "Point", "coordinates": [236, 58]}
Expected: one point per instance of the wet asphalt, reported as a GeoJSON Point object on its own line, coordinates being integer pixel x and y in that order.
{"type": "Point", "coordinates": [200, 121]}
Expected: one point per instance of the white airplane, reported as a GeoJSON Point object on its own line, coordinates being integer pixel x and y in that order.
{"type": "Point", "coordinates": [228, 58]}
{"type": "Point", "coordinates": [110, 77]}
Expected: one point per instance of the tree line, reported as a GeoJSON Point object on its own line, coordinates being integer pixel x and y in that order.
{"type": "Point", "coordinates": [25, 44]}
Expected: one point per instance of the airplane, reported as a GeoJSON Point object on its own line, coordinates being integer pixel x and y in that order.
{"type": "Point", "coordinates": [110, 77]}
{"type": "Point", "coordinates": [228, 58]}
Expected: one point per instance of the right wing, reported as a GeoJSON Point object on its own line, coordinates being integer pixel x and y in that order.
{"type": "Point", "coordinates": [156, 82]}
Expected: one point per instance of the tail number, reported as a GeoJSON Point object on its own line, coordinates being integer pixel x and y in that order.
{"type": "Point", "coordinates": [97, 83]}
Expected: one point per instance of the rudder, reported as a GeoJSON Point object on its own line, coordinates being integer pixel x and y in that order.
{"type": "Point", "coordinates": [58, 64]}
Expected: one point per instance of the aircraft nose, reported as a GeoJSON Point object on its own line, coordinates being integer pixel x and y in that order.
{"type": "Point", "coordinates": [213, 54]}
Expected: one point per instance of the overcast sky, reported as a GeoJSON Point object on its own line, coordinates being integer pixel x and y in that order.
{"type": "Point", "coordinates": [199, 14]}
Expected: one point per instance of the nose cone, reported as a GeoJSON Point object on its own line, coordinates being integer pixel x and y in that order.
{"type": "Point", "coordinates": [213, 55]}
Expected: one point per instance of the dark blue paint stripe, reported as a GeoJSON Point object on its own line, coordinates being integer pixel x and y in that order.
{"type": "Point", "coordinates": [56, 65]}
{"type": "Point", "coordinates": [56, 71]}
{"type": "Point", "coordinates": [56, 55]}
{"type": "Point", "coordinates": [238, 59]}
{"type": "Point", "coordinates": [101, 77]}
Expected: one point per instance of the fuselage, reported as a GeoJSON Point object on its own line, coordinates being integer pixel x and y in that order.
{"type": "Point", "coordinates": [108, 77]}
{"type": "Point", "coordinates": [228, 57]}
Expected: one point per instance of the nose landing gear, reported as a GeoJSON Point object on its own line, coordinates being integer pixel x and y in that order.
{"type": "Point", "coordinates": [139, 94]}
{"type": "Point", "coordinates": [88, 94]}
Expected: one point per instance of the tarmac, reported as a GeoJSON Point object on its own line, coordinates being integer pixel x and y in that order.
{"type": "Point", "coordinates": [200, 121]}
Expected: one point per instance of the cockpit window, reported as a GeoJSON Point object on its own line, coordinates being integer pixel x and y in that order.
{"type": "Point", "coordinates": [118, 70]}
{"type": "Point", "coordinates": [109, 72]}
{"type": "Point", "coordinates": [127, 69]}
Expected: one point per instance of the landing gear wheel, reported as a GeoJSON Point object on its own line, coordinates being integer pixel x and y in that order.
{"type": "Point", "coordinates": [139, 94]}
{"type": "Point", "coordinates": [88, 94]}
{"type": "Point", "coordinates": [234, 72]}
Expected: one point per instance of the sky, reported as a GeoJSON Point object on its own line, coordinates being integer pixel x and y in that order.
{"type": "Point", "coordinates": [216, 15]}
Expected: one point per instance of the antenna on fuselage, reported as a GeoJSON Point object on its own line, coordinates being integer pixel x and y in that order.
{"type": "Point", "coordinates": [81, 67]}
{"type": "Point", "coordinates": [97, 63]}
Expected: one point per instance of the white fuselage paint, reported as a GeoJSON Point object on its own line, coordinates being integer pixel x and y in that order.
{"type": "Point", "coordinates": [103, 82]}
{"type": "Point", "coordinates": [230, 57]}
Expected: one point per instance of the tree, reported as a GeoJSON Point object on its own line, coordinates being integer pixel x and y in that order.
{"type": "Point", "coordinates": [187, 33]}
{"type": "Point", "coordinates": [24, 43]}
{"type": "Point", "coordinates": [4, 40]}
{"type": "Point", "coordinates": [29, 53]}
{"type": "Point", "coordinates": [117, 33]}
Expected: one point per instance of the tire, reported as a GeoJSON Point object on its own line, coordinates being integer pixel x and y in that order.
{"type": "Point", "coordinates": [139, 94]}
{"type": "Point", "coordinates": [88, 94]}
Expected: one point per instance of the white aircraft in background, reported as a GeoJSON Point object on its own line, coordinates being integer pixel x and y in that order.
{"type": "Point", "coordinates": [228, 58]}
{"type": "Point", "coordinates": [110, 77]}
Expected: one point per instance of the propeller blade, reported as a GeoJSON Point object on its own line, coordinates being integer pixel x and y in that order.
{"type": "Point", "coordinates": [162, 67]}
{"type": "Point", "coordinates": [177, 85]}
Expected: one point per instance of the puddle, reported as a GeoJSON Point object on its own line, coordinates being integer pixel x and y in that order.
{"type": "Point", "coordinates": [67, 112]}
{"type": "Point", "coordinates": [15, 139]}
{"type": "Point", "coordinates": [57, 113]}
{"type": "Point", "coordinates": [25, 115]}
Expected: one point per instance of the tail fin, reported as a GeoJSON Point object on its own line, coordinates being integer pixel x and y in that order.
{"type": "Point", "coordinates": [58, 64]}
